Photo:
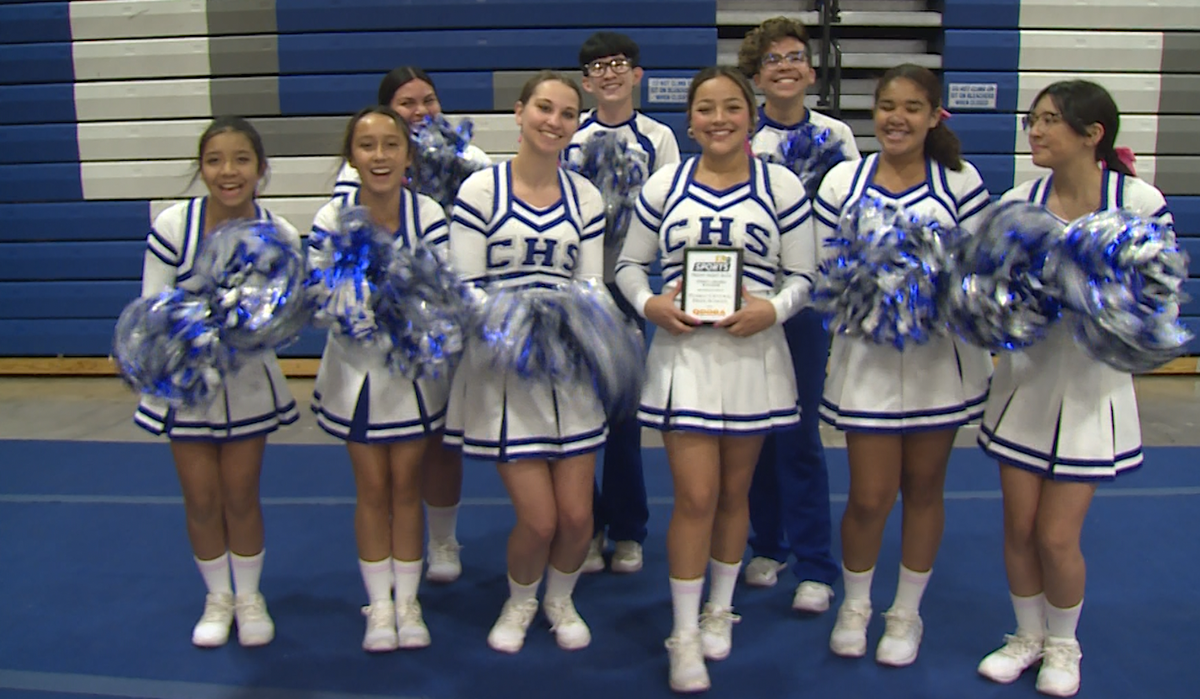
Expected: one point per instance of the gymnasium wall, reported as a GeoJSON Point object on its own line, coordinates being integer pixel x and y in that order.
{"type": "Point", "coordinates": [102, 103]}
{"type": "Point", "coordinates": [999, 53]}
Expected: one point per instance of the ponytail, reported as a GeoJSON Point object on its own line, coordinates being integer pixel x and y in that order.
{"type": "Point", "coordinates": [1119, 160]}
{"type": "Point", "coordinates": [943, 145]}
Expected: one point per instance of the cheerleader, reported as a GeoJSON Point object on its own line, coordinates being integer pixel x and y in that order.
{"type": "Point", "coordinates": [789, 496]}
{"type": "Point", "coordinates": [387, 420]}
{"type": "Point", "coordinates": [1058, 421]}
{"type": "Point", "coordinates": [900, 409]}
{"type": "Point", "coordinates": [715, 391]}
{"type": "Point", "coordinates": [611, 72]}
{"type": "Point", "coordinates": [527, 223]}
{"type": "Point", "coordinates": [218, 450]}
{"type": "Point", "coordinates": [410, 92]}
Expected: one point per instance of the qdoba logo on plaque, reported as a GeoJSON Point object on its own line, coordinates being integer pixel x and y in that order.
{"type": "Point", "coordinates": [712, 282]}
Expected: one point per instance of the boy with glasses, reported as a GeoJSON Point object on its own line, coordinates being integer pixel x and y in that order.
{"type": "Point", "coordinates": [789, 496]}
{"type": "Point", "coordinates": [610, 74]}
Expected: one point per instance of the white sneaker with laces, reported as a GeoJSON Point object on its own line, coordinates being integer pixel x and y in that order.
{"type": "Point", "coordinates": [812, 597]}
{"type": "Point", "coordinates": [381, 627]}
{"type": "Point", "coordinates": [688, 673]}
{"type": "Point", "coordinates": [569, 628]}
{"type": "Point", "coordinates": [763, 572]}
{"type": "Point", "coordinates": [716, 631]}
{"type": "Point", "coordinates": [627, 557]}
{"type": "Point", "coordinates": [411, 631]}
{"type": "Point", "coordinates": [594, 563]}
{"type": "Point", "coordinates": [212, 630]}
{"type": "Point", "coordinates": [445, 566]}
{"type": "Point", "coordinates": [1017, 655]}
{"type": "Point", "coordinates": [901, 638]}
{"type": "Point", "coordinates": [1059, 676]}
{"type": "Point", "coordinates": [254, 624]}
{"type": "Point", "coordinates": [849, 637]}
{"type": "Point", "coordinates": [508, 634]}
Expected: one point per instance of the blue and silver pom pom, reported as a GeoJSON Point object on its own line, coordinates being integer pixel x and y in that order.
{"type": "Point", "coordinates": [886, 278]}
{"type": "Point", "coordinates": [348, 264]}
{"type": "Point", "coordinates": [619, 172]}
{"type": "Point", "coordinates": [425, 311]}
{"type": "Point", "coordinates": [169, 346]}
{"type": "Point", "coordinates": [809, 151]}
{"type": "Point", "coordinates": [440, 164]}
{"type": "Point", "coordinates": [999, 296]}
{"type": "Point", "coordinates": [573, 333]}
{"type": "Point", "coordinates": [1122, 276]}
{"type": "Point", "coordinates": [254, 279]}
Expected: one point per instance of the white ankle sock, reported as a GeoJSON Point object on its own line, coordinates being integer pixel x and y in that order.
{"type": "Point", "coordinates": [407, 576]}
{"type": "Point", "coordinates": [685, 598]}
{"type": "Point", "coordinates": [215, 573]}
{"type": "Point", "coordinates": [910, 588]}
{"type": "Point", "coordinates": [560, 584]}
{"type": "Point", "coordinates": [520, 593]}
{"type": "Point", "coordinates": [443, 522]}
{"type": "Point", "coordinates": [377, 578]}
{"type": "Point", "coordinates": [1031, 614]}
{"type": "Point", "coordinates": [722, 581]}
{"type": "Point", "coordinates": [1061, 623]}
{"type": "Point", "coordinates": [246, 572]}
{"type": "Point", "coordinates": [858, 585]}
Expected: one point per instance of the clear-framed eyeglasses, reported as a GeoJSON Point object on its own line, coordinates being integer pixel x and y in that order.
{"type": "Point", "coordinates": [777, 60]}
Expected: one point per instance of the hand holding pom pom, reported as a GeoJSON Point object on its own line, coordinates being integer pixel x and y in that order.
{"type": "Point", "coordinates": [809, 151]}
{"type": "Point", "coordinates": [998, 296]}
{"type": "Point", "coordinates": [347, 265]}
{"type": "Point", "coordinates": [573, 333]}
{"type": "Point", "coordinates": [1122, 276]}
{"type": "Point", "coordinates": [619, 172]}
{"type": "Point", "coordinates": [440, 165]}
{"type": "Point", "coordinates": [254, 278]}
{"type": "Point", "coordinates": [885, 282]}
{"type": "Point", "coordinates": [169, 346]}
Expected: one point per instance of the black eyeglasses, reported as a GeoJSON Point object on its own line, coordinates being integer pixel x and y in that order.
{"type": "Point", "coordinates": [618, 66]}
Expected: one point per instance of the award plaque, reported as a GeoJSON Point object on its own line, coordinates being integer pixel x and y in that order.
{"type": "Point", "coordinates": [712, 282]}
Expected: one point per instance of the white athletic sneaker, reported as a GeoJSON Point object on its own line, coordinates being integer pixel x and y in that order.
{"type": "Point", "coordinates": [1017, 655]}
{"type": "Point", "coordinates": [901, 638]}
{"type": "Point", "coordinates": [849, 637]}
{"type": "Point", "coordinates": [254, 624]}
{"type": "Point", "coordinates": [627, 557]}
{"type": "Point", "coordinates": [213, 628]}
{"type": "Point", "coordinates": [812, 597]}
{"type": "Point", "coordinates": [569, 628]}
{"type": "Point", "coordinates": [381, 627]}
{"type": "Point", "coordinates": [1059, 676]}
{"type": "Point", "coordinates": [594, 563]}
{"type": "Point", "coordinates": [688, 672]}
{"type": "Point", "coordinates": [763, 572]}
{"type": "Point", "coordinates": [508, 634]}
{"type": "Point", "coordinates": [716, 631]}
{"type": "Point", "coordinates": [445, 566]}
{"type": "Point", "coordinates": [411, 631]}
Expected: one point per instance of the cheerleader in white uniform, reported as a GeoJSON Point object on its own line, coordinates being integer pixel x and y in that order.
{"type": "Point", "coordinates": [1057, 420]}
{"type": "Point", "coordinates": [387, 420]}
{"type": "Point", "coordinates": [218, 450]}
{"type": "Point", "coordinates": [527, 223]}
{"type": "Point", "coordinates": [715, 391]}
{"type": "Point", "coordinates": [900, 409]}
{"type": "Point", "coordinates": [411, 93]}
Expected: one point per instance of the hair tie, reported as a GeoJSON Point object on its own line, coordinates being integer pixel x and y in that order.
{"type": "Point", "coordinates": [945, 115]}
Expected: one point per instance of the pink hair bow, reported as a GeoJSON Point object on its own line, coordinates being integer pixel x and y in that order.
{"type": "Point", "coordinates": [944, 114]}
{"type": "Point", "coordinates": [1126, 156]}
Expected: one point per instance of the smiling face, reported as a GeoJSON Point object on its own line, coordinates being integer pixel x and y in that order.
{"type": "Point", "coordinates": [611, 79]}
{"type": "Point", "coordinates": [1052, 141]}
{"type": "Point", "coordinates": [720, 117]}
{"type": "Point", "coordinates": [549, 117]}
{"type": "Point", "coordinates": [379, 152]}
{"type": "Point", "coordinates": [230, 168]}
{"type": "Point", "coordinates": [904, 115]}
{"type": "Point", "coordinates": [785, 71]}
{"type": "Point", "coordinates": [415, 100]}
